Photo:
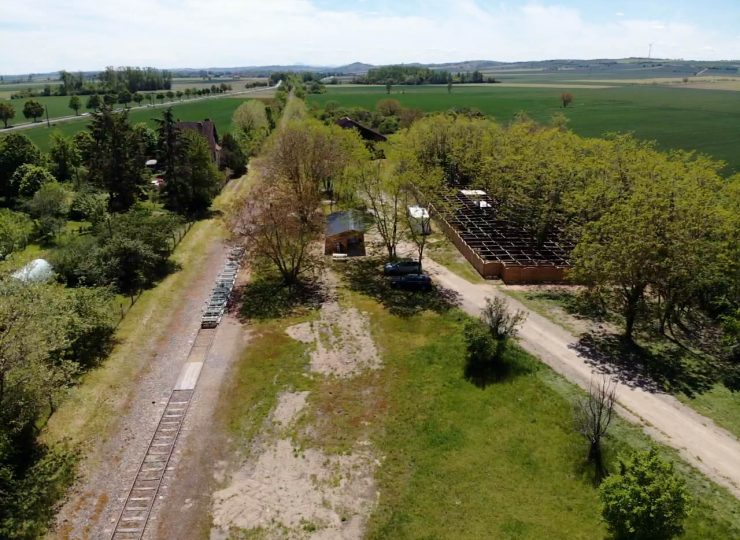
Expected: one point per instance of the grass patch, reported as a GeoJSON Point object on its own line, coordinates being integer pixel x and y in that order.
{"type": "Point", "coordinates": [456, 460]}
{"type": "Point", "coordinates": [444, 252]}
{"type": "Point", "coordinates": [220, 110]}
{"type": "Point", "coordinates": [365, 275]}
{"type": "Point", "coordinates": [268, 298]}
{"type": "Point", "coordinates": [499, 462]}
{"type": "Point", "coordinates": [272, 363]}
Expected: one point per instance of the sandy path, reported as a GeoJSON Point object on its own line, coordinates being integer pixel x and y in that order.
{"type": "Point", "coordinates": [700, 441]}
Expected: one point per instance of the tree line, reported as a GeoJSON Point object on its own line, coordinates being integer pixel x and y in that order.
{"type": "Point", "coordinates": [413, 75]}
{"type": "Point", "coordinates": [655, 232]}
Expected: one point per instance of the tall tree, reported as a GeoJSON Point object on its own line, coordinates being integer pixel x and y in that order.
{"type": "Point", "coordinates": [196, 180]}
{"type": "Point", "coordinates": [124, 98]}
{"type": "Point", "coordinates": [65, 158]}
{"type": "Point", "coordinates": [593, 415]}
{"type": "Point", "coordinates": [383, 192]}
{"type": "Point", "coordinates": [75, 103]}
{"type": "Point", "coordinates": [93, 102]}
{"type": "Point", "coordinates": [15, 150]}
{"type": "Point", "coordinates": [33, 109]}
{"type": "Point", "coordinates": [271, 229]}
{"type": "Point", "coordinates": [167, 144]}
{"type": "Point", "coordinates": [115, 162]}
{"type": "Point", "coordinates": [7, 112]}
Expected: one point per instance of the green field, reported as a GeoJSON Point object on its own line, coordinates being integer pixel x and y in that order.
{"type": "Point", "coordinates": [219, 110]}
{"type": "Point", "coordinates": [703, 120]}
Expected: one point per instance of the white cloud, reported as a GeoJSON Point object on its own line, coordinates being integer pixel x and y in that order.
{"type": "Point", "coordinates": [44, 35]}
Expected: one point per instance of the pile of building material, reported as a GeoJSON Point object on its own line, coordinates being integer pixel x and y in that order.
{"type": "Point", "coordinates": [219, 299]}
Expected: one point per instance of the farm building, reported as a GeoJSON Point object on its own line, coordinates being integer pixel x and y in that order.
{"type": "Point", "coordinates": [208, 129]}
{"type": "Point", "coordinates": [345, 233]}
{"type": "Point", "coordinates": [366, 133]}
{"type": "Point", "coordinates": [497, 247]}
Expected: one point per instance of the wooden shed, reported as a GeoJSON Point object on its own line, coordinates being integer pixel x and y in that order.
{"type": "Point", "coordinates": [345, 233]}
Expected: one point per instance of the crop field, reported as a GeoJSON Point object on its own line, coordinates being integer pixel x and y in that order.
{"type": "Point", "coordinates": [681, 118]}
{"type": "Point", "coordinates": [57, 106]}
{"type": "Point", "coordinates": [219, 110]}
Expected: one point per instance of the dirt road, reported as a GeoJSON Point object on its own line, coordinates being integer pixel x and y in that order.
{"type": "Point", "coordinates": [700, 441]}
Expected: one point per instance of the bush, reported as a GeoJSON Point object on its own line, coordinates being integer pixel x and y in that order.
{"type": "Point", "coordinates": [482, 350]}
{"type": "Point", "coordinates": [15, 230]}
{"type": "Point", "coordinates": [28, 179]}
{"type": "Point", "coordinates": [90, 206]}
{"type": "Point", "coordinates": [49, 205]}
{"type": "Point", "coordinates": [646, 500]}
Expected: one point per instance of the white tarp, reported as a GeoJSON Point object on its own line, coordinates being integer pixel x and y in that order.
{"type": "Point", "coordinates": [36, 270]}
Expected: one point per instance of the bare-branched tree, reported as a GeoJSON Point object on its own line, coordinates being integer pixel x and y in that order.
{"type": "Point", "coordinates": [274, 229]}
{"type": "Point", "coordinates": [593, 415]}
{"type": "Point", "coordinates": [418, 224]}
{"type": "Point", "coordinates": [383, 193]}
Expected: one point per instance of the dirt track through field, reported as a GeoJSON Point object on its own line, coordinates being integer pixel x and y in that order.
{"type": "Point", "coordinates": [699, 440]}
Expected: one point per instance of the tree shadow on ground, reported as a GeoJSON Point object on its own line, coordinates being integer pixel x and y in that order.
{"type": "Point", "coordinates": [509, 366]}
{"type": "Point", "coordinates": [270, 298]}
{"type": "Point", "coordinates": [365, 275]}
{"type": "Point", "coordinates": [579, 304]}
{"type": "Point", "coordinates": [670, 368]}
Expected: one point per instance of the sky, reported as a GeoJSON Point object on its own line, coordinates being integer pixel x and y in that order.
{"type": "Point", "coordinates": [39, 36]}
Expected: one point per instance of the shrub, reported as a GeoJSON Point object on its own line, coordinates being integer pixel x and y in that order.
{"type": "Point", "coordinates": [646, 500]}
{"type": "Point", "coordinates": [28, 179]}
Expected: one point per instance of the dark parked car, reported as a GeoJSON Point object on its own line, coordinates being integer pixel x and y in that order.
{"type": "Point", "coordinates": [416, 282]}
{"type": "Point", "coordinates": [401, 268]}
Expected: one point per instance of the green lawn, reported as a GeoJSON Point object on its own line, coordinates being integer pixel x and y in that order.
{"type": "Point", "coordinates": [457, 460]}
{"type": "Point", "coordinates": [704, 120]}
{"type": "Point", "coordinates": [219, 110]}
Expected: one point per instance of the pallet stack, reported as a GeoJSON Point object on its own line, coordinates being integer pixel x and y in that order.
{"type": "Point", "coordinates": [219, 299]}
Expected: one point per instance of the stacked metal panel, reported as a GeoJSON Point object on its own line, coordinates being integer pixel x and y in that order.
{"type": "Point", "coordinates": [218, 301]}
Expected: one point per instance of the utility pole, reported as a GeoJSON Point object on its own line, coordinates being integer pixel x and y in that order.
{"type": "Point", "coordinates": [48, 124]}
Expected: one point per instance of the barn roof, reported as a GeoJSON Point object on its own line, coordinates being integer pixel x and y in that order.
{"type": "Point", "coordinates": [206, 128]}
{"type": "Point", "coordinates": [341, 222]}
{"type": "Point", "coordinates": [365, 132]}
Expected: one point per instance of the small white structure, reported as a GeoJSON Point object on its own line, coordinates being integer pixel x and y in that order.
{"type": "Point", "coordinates": [476, 195]}
{"type": "Point", "coordinates": [420, 220]}
{"type": "Point", "coordinates": [37, 270]}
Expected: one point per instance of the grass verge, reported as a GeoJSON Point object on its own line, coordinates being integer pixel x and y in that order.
{"type": "Point", "coordinates": [690, 377]}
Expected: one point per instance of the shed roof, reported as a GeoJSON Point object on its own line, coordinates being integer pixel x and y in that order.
{"type": "Point", "coordinates": [341, 222]}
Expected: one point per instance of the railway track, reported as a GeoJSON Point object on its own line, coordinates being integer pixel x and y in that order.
{"type": "Point", "coordinates": [134, 517]}
{"type": "Point", "coordinates": [137, 508]}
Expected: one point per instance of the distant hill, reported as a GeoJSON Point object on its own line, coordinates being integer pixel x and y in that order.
{"type": "Point", "coordinates": [632, 67]}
